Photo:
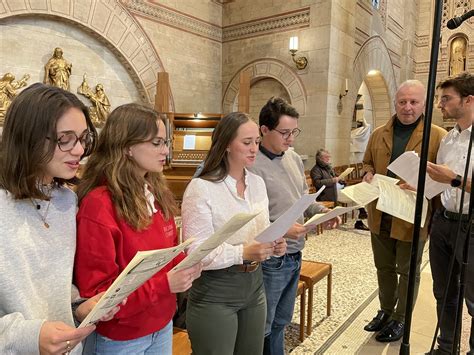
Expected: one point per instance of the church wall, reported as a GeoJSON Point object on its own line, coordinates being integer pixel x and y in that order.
{"type": "Point", "coordinates": [26, 44]}
{"type": "Point", "coordinates": [424, 29]}
{"type": "Point", "coordinates": [187, 35]}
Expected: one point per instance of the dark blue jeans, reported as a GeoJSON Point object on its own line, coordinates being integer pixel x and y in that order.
{"type": "Point", "coordinates": [280, 276]}
{"type": "Point", "coordinates": [442, 238]}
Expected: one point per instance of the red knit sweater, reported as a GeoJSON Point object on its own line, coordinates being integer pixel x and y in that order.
{"type": "Point", "coordinates": [105, 245]}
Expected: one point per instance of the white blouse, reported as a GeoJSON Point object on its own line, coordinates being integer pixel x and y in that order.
{"type": "Point", "coordinates": [207, 206]}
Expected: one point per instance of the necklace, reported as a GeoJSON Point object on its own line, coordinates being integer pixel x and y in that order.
{"type": "Point", "coordinates": [37, 207]}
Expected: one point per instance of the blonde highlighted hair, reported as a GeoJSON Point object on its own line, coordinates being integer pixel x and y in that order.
{"type": "Point", "coordinates": [126, 126]}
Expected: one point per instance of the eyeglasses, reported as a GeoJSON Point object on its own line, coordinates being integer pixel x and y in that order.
{"type": "Point", "coordinates": [445, 98]}
{"type": "Point", "coordinates": [161, 143]}
{"type": "Point", "coordinates": [68, 141]}
{"type": "Point", "coordinates": [287, 133]}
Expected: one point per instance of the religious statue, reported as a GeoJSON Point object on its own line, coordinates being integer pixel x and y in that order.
{"type": "Point", "coordinates": [100, 102]}
{"type": "Point", "coordinates": [8, 88]}
{"type": "Point", "coordinates": [457, 63]}
{"type": "Point", "coordinates": [58, 70]}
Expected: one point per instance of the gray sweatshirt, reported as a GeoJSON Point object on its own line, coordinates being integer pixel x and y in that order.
{"type": "Point", "coordinates": [36, 265]}
{"type": "Point", "coordinates": [286, 183]}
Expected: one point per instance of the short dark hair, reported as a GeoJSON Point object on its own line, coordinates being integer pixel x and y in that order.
{"type": "Point", "coordinates": [216, 165]}
{"type": "Point", "coordinates": [272, 111]}
{"type": "Point", "coordinates": [462, 83]}
{"type": "Point", "coordinates": [30, 120]}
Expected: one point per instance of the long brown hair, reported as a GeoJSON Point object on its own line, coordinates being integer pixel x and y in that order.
{"type": "Point", "coordinates": [29, 138]}
{"type": "Point", "coordinates": [216, 166]}
{"type": "Point", "coordinates": [126, 126]}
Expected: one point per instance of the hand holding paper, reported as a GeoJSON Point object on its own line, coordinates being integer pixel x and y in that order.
{"type": "Point", "coordinates": [324, 217]}
{"type": "Point", "coordinates": [279, 228]}
{"type": "Point", "coordinates": [220, 236]}
{"type": "Point", "coordinates": [407, 166]}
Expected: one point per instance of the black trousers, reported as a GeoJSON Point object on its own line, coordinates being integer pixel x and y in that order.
{"type": "Point", "coordinates": [442, 238]}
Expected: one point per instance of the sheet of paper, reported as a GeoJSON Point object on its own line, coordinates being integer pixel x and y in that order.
{"type": "Point", "coordinates": [189, 141]}
{"type": "Point", "coordinates": [345, 173]}
{"type": "Point", "coordinates": [216, 239]}
{"type": "Point", "coordinates": [324, 217]}
{"type": "Point", "coordinates": [143, 266]}
{"type": "Point", "coordinates": [407, 165]}
{"type": "Point", "coordinates": [400, 203]}
{"type": "Point", "coordinates": [378, 177]}
{"type": "Point", "coordinates": [362, 193]}
{"type": "Point", "coordinates": [279, 227]}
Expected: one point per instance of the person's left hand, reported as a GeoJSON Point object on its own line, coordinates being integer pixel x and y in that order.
{"type": "Point", "coordinates": [85, 307]}
{"type": "Point", "coordinates": [406, 186]}
{"type": "Point", "coordinates": [280, 247]}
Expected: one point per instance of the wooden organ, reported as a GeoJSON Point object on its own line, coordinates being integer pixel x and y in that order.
{"type": "Point", "coordinates": [192, 137]}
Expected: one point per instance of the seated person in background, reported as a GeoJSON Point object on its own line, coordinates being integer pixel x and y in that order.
{"type": "Point", "coordinates": [47, 131]}
{"type": "Point", "coordinates": [125, 206]}
{"type": "Point", "coordinates": [226, 306]}
{"type": "Point", "coordinates": [323, 174]}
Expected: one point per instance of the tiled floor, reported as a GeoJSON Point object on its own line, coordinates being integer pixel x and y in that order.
{"type": "Point", "coordinates": [355, 301]}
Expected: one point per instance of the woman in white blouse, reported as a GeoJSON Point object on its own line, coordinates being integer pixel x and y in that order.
{"type": "Point", "coordinates": [226, 308]}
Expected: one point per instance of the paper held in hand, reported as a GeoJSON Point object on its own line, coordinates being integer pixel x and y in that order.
{"type": "Point", "coordinates": [143, 266]}
{"type": "Point", "coordinates": [279, 228]}
{"type": "Point", "coordinates": [324, 217]}
{"type": "Point", "coordinates": [407, 167]}
{"type": "Point", "coordinates": [220, 236]}
{"type": "Point", "coordinates": [400, 203]}
{"type": "Point", "coordinates": [345, 173]}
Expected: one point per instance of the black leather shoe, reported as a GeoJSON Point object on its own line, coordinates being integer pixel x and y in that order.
{"type": "Point", "coordinates": [392, 331]}
{"type": "Point", "coordinates": [360, 225]}
{"type": "Point", "coordinates": [377, 322]}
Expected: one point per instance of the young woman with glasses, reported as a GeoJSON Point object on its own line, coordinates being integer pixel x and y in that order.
{"type": "Point", "coordinates": [39, 155]}
{"type": "Point", "coordinates": [125, 206]}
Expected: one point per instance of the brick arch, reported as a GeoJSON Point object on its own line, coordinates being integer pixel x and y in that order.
{"type": "Point", "coordinates": [373, 55]}
{"type": "Point", "coordinates": [109, 22]}
{"type": "Point", "coordinates": [264, 69]}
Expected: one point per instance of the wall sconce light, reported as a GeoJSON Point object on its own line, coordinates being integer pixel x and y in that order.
{"type": "Point", "coordinates": [301, 62]}
{"type": "Point", "coordinates": [346, 90]}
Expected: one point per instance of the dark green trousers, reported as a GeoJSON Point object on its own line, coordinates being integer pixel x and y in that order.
{"type": "Point", "coordinates": [392, 261]}
{"type": "Point", "coordinates": [226, 313]}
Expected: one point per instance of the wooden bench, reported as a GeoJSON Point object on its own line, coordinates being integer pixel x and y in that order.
{"type": "Point", "coordinates": [311, 273]}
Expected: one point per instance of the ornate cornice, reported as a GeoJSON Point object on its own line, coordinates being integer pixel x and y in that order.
{"type": "Point", "coordinates": [277, 23]}
{"type": "Point", "coordinates": [175, 19]}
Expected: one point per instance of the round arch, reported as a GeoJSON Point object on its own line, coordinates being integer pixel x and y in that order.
{"type": "Point", "coordinates": [110, 23]}
{"type": "Point", "coordinates": [268, 68]}
{"type": "Point", "coordinates": [373, 55]}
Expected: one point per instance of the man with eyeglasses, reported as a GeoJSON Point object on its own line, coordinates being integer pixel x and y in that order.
{"type": "Point", "coordinates": [283, 172]}
{"type": "Point", "coordinates": [391, 237]}
{"type": "Point", "coordinates": [456, 101]}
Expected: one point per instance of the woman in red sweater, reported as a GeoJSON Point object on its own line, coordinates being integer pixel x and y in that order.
{"type": "Point", "coordinates": [125, 207]}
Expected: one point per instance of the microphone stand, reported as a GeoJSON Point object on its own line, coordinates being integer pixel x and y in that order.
{"type": "Point", "coordinates": [420, 195]}
{"type": "Point", "coordinates": [465, 257]}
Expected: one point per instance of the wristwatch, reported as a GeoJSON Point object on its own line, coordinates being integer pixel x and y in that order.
{"type": "Point", "coordinates": [456, 182]}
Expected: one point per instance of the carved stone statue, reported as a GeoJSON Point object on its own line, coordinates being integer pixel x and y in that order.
{"type": "Point", "coordinates": [457, 62]}
{"type": "Point", "coordinates": [8, 88]}
{"type": "Point", "coordinates": [58, 70]}
{"type": "Point", "coordinates": [100, 102]}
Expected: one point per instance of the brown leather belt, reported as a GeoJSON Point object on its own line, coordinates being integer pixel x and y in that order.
{"type": "Point", "coordinates": [248, 267]}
